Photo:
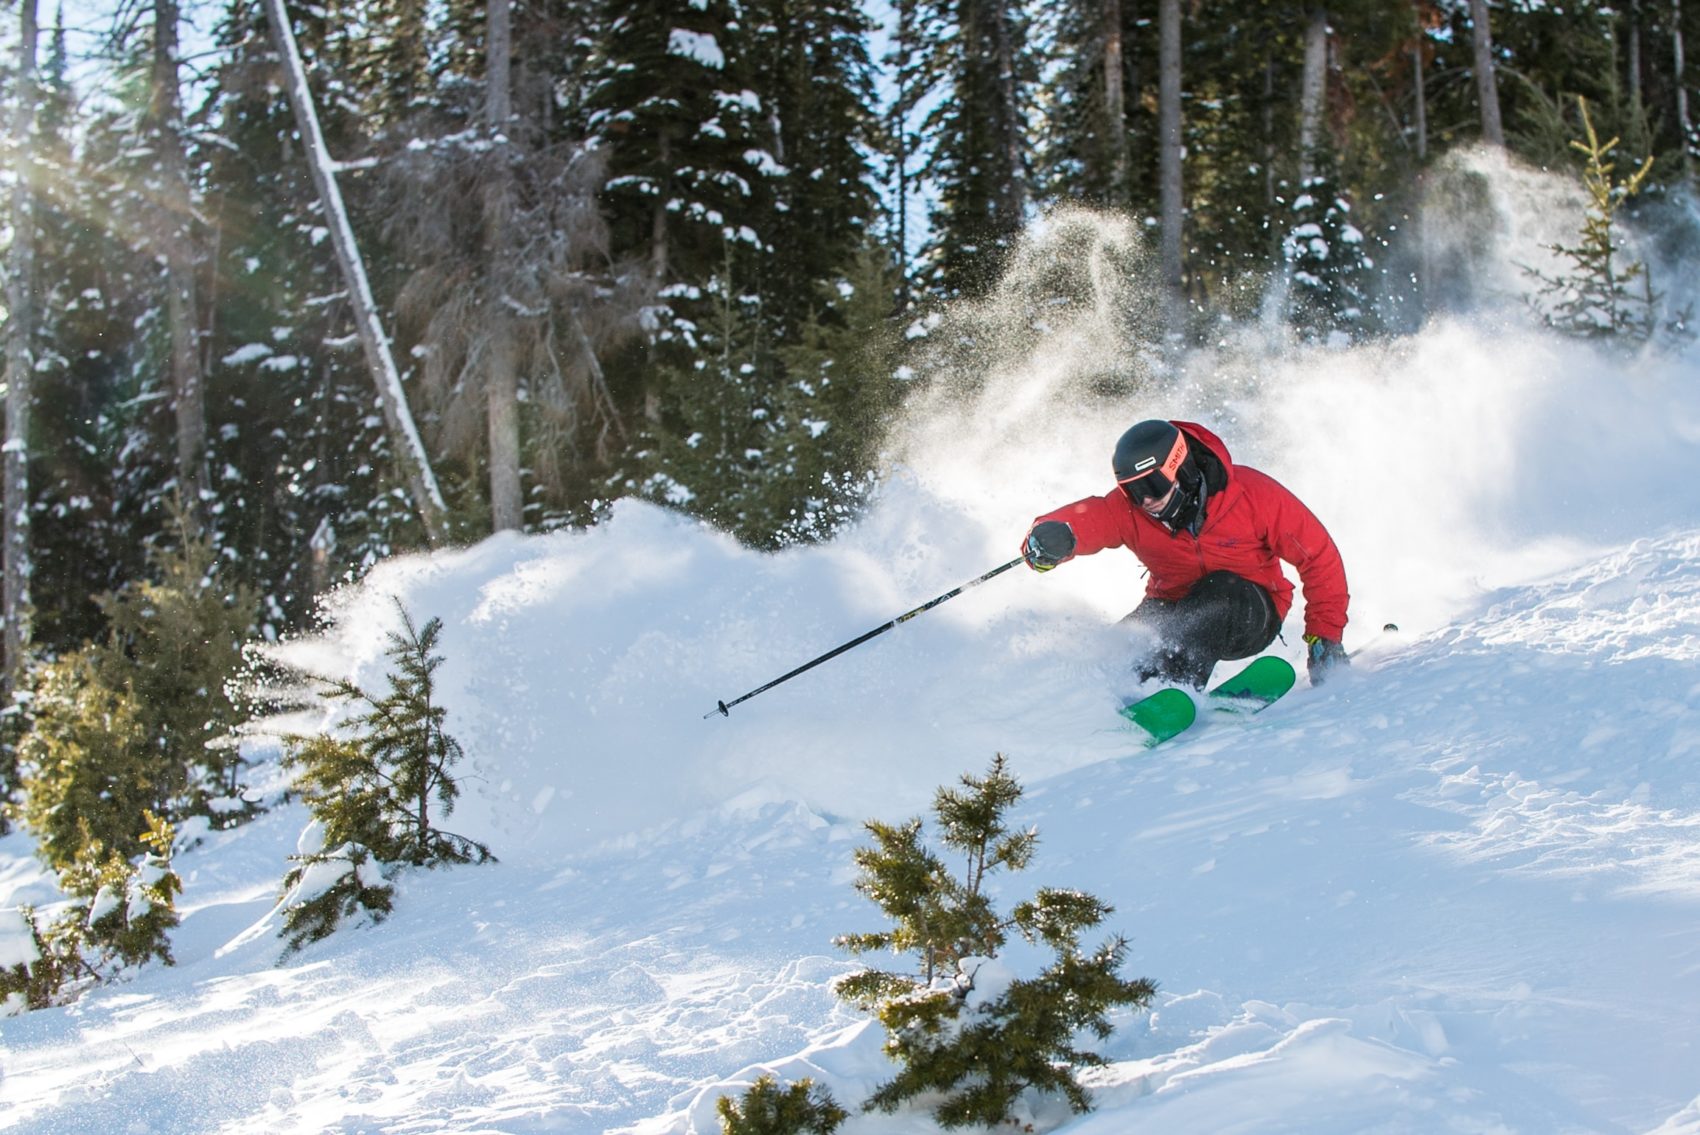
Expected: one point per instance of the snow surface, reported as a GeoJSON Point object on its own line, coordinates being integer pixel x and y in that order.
{"type": "Point", "coordinates": [1457, 890]}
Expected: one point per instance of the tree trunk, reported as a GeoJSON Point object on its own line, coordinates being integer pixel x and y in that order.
{"type": "Point", "coordinates": [1115, 105]}
{"type": "Point", "coordinates": [20, 356]}
{"type": "Point", "coordinates": [900, 108]}
{"type": "Point", "coordinates": [1678, 67]}
{"type": "Point", "coordinates": [1169, 159]}
{"type": "Point", "coordinates": [501, 380]}
{"type": "Point", "coordinates": [175, 246]}
{"type": "Point", "coordinates": [398, 420]}
{"type": "Point", "coordinates": [1487, 81]}
{"type": "Point", "coordinates": [1012, 208]}
{"type": "Point", "coordinates": [1633, 51]}
{"type": "Point", "coordinates": [1268, 119]}
{"type": "Point", "coordinates": [658, 217]}
{"type": "Point", "coordinates": [1313, 90]}
{"type": "Point", "coordinates": [1420, 111]}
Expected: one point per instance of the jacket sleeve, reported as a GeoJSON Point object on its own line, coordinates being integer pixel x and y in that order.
{"type": "Point", "coordinates": [1097, 522]}
{"type": "Point", "coordinates": [1298, 537]}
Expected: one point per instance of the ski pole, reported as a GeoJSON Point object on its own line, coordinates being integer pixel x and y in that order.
{"type": "Point", "coordinates": [724, 709]}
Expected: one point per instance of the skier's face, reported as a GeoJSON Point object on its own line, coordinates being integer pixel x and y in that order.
{"type": "Point", "coordinates": [1154, 506]}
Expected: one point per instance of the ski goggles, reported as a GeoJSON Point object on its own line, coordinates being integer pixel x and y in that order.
{"type": "Point", "coordinates": [1151, 481]}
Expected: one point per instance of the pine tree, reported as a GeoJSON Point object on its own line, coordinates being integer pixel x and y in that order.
{"type": "Point", "coordinates": [1601, 297]}
{"type": "Point", "coordinates": [766, 1109]}
{"type": "Point", "coordinates": [377, 794]}
{"type": "Point", "coordinates": [87, 767]}
{"type": "Point", "coordinates": [1329, 265]}
{"type": "Point", "coordinates": [977, 138]}
{"type": "Point", "coordinates": [1087, 149]}
{"type": "Point", "coordinates": [673, 101]}
{"type": "Point", "coordinates": [120, 916]}
{"type": "Point", "coordinates": [21, 286]}
{"type": "Point", "coordinates": [775, 443]}
{"type": "Point", "coordinates": [99, 450]}
{"type": "Point", "coordinates": [141, 721]}
{"type": "Point", "coordinates": [960, 1027]}
{"type": "Point", "coordinates": [816, 83]}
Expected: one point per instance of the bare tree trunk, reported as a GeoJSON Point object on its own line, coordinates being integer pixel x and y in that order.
{"type": "Point", "coordinates": [1169, 159]}
{"type": "Point", "coordinates": [1487, 80]}
{"type": "Point", "coordinates": [20, 356]}
{"type": "Point", "coordinates": [176, 247]}
{"type": "Point", "coordinates": [1420, 112]}
{"type": "Point", "coordinates": [1633, 49]}
{"type": "Point", "coordinates": [1268, 116]}
{"type": "Point", "coordinates": [501, 381]}
{"type": "Point", "coordinates": [1013, 206]}
{"type": "Point", "coordinates": [901, 106]}
{"type": "Point", "coordinates": [1115, 103]}
{"type": "Point", "coordinates": [658, 217]}
{"type": "Point", "coordinates": [1313, 90]}
{"type": "Point", "coordinates": [398, 420]}
{"type": "Point", "coordinates": [1678, 66]}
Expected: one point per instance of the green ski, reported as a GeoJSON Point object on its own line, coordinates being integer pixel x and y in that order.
{"type": "Point", "coordinates": [1162, 715]}
{"type": "Point", "coordinates": [1260, 683]}
{"type": "Point", "coordinates": [1171, 711]}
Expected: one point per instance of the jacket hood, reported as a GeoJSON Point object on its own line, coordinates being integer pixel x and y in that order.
{"type": "Point", "coordinates": [1210, 441]}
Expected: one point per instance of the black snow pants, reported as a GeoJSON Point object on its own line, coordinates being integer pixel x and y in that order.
{"type": "Point", "coordinates": [1224, 616]}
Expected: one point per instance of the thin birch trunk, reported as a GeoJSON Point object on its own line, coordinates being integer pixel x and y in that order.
{"type": "Point", "coordinates": [20, 356]}
{"type": "Point", "coordinates": [410, 452]}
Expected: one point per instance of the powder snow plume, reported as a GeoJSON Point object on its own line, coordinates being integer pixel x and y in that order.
{"type": "Point", "coordinates": [1480, 451]}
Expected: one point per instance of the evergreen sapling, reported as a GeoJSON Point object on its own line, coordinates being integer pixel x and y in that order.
{"type": "Point", "coordinates": [372, 793]}
{"type": "Point", "coordinates": [120, 916]}
{"type": "Point", "coordinates": [1603, 295]}
{"type": "Point", "coordinates": [963, 1026]}
{"type": "Point", "coordinates": [767, 1109]}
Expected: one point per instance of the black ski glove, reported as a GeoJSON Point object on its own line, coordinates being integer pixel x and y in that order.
{"type": "Point", "coordinates": [1323, 658]}
{"type": "Point", "coordinates": [1048, 544]}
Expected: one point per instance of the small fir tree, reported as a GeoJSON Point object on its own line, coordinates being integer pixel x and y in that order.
{"type": "Point", "coordinates": [1601, 296]}
{"type": "Point", "coordinates": [1328, 263]}
{"type": "Point", "coordinates": [373, 793]}
{"type": "Point", "coordinates": [132, 903]}
{"type": "Point", "coordinates": [89, 769]}
{"type": "Point", "coordinates": [140, 721]}
{"type": "Point", "coordinates": [979, 1040]}
{"type": "Point", "coordinates": [29, 975]}
{"type": "Point", "coordinates": [120, 916]}
{"type": "Point", "coordinates": [767, 1109]}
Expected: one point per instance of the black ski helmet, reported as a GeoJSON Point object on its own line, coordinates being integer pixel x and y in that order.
{"type": "Point", "coordinates": [1151, 458]}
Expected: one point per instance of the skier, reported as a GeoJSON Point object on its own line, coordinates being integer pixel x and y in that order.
{"type": "Point", "coordinates": [1212, 535]}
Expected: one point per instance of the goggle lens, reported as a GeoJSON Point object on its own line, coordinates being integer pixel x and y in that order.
{"type": "Point", "coordinates": [1146, 487]}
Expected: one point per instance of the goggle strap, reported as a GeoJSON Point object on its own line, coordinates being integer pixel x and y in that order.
{"type": "Point", "coordinates": [1170, 467]}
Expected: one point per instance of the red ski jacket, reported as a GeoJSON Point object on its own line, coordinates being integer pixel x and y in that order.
{"type": "Point", "coordinates": [1249, 527]}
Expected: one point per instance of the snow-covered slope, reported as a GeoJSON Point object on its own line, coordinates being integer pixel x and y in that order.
{"type": "Point", "coordinates": [1456, 890]}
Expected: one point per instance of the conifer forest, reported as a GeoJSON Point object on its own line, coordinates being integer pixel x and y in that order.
{"type": "Point", "coordinates": [291, 288]}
